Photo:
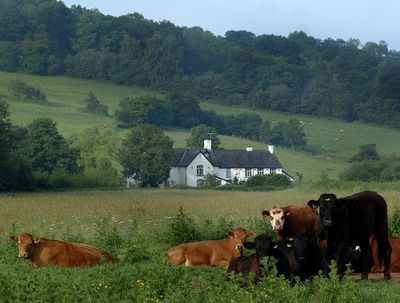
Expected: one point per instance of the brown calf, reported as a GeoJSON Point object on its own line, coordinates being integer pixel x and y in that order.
{"type": "Point", "coordinates": [42, 251]}
{"type": "Point", "coordinates": [211, 252]}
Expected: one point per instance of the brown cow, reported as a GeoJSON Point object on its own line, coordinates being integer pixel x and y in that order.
{"type": "Point", "coordinates": [211, 252]}
{"type": "Point", "coordinates": [395, 258]}
{"type": "Point", "coordinates": [291, 221]}
{"type": "Point", "coordinates": [42, 251]}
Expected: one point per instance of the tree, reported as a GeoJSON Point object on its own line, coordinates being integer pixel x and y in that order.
{"type": "Point", "coordinates": [15, 172]}
{"type": "Point", "coordinates": [46, 149]}
{"type": "Point", "coordinates": [289, 134]}
{"type": "Point", "coordinates": [366, 152]}
{"type": "Point", "coordinates": [98, 148]}
{"type": "Point", "coordinates": [185, 109]}
{"type": "Point", "coordinates": [147, 155]}
{"type": "Point", "coordinates": [93, 105]}
{"type": "Point", "coordinates": [145, 109]}
{"type": "Point", "coordinates": [200, 133]}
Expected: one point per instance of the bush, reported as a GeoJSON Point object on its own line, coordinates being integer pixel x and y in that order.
{"type": "Point", "coordinates": [93, 105]}
{"type": "Point", "coordinates": [182, 229]}
{"type": "Point", "coordinates": [23, 90]}
{"type": "Point", "coordinates": [277, 181]}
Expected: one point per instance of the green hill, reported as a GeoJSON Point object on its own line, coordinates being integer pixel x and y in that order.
{"type": "Point", "coordinates": [331, 142]}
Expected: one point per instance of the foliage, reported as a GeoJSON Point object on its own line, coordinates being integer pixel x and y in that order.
{"type": "Point", "coordinates": [93, 105]}
{"type": "Point", "coordinates": [296, 74]}
{"type": "Point", "coordinates": [147, 155]}
{"type": "Point", "coordinates": [200, 133]}
{"type": "Point", "coordinates": [23, 90]}
{"type": "Point", "coordinates": [394, 223]}
{"type": "Point", "coordinates": [46, 150]}
{"type": "Point", "coordinates": [367, 152]}
{"type": "Point", "coordinates": [146, 109]}
{"type": "Point", "coordinates": [97, 150]}
{"type": "Point", "coordinates": [210, 180]}
{"type": "Point", "coordinates": [182, 229]}
{"type": "Point", "coordinates": [289, 134]}
{"type": "Point", "coordinates": [15, 172]}
{"type": "Point", "coordinates": [386, 169]}
{"type": "Point", "coordinates": [276, 181]}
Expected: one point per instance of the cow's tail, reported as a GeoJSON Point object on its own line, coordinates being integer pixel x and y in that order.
{"type": "Point", "coordinates": [382, 238]}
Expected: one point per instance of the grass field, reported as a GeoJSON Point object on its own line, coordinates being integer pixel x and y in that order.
{"type": "Point", "coordinates": [331, 142]}
{"type": "Point", "coordinates": [135, 225]}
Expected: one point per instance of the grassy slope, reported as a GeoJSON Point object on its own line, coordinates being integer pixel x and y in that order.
{"type": "Point", "coordinates": [331, 146]}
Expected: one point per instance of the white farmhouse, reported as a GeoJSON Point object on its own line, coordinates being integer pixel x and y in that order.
{"type": "Point", "coordinates": [226, 165]}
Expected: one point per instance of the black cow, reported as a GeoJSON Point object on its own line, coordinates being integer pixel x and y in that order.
{"type": "Point", "coordinates": [309, 257]}
{"type": "Point", "coordinates": [264, 247]}
{"type": "Point", "coordinates": [350, 221]}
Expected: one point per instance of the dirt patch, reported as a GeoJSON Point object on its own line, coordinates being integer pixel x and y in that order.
{"type": "Point", "coordinates": [378, 277]}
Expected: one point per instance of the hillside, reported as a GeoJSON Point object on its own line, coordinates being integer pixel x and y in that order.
{"type": "Point", "coordinates": [298, 74]}
{"type": "Point", "coordinates": [329, 146]}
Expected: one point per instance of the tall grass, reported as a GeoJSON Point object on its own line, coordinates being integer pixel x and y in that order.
{"type": "Point", "coordinates": [138, 227]}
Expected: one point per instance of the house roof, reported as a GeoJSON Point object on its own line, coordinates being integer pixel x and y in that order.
{"type": "Point", "coordinates": [230, 158]}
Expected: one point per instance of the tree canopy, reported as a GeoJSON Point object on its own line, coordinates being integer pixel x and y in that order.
{"type": "Point", "coordinates": [146, 154]}
{"type": "Point", "coordinates": [296, 74]}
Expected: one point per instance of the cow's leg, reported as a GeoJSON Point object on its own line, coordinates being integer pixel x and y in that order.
{"type": "Point", "coordinates": [366, 258]}
{"type": "Point", "coordinates": [220, 262]}
{"type": "Point", "coordinates": [341, 259]}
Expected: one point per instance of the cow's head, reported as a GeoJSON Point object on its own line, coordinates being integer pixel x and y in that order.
{"type": "Point", "coordinates": [302, 247]}
{"type": "Point", "coordinates": [326, 206]}
{"type": "Point", "coordinates": [26, 243]}
{"type": "Point", "coordinates": [263, 245]}
{"type": "Point", "coordinates": [277, 217]}
{"type": "Point", "coordinates": [239, 236]}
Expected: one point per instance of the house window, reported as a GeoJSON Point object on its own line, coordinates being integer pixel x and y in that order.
{"type": "Point", "coordinates": [228, 173]}
{"type": "Point", "coordinates": [260, 171]}
{"type": "Point", "coordinates": [200, 182]}
{"type": "Point", "coordinates": [200, 170]}
{"type": "Point", "coordinates": [247, 172]}
{"type": "Point", "coordinates": [272, 171]}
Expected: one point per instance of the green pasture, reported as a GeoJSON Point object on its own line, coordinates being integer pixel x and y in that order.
{"type": "Point", "coordinates": [331, 142]}
{"type": "Point", "coordinates": [135, 226]}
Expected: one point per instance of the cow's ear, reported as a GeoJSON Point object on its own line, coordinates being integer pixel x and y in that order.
{"type": "Point", "coordinates": [231, 235]}
{"type": "Point", "coordinates": [265, 213]}
{"type": "Point", "coordinates": [249, 245]}
{"type": "Point", "coordinates": [286, 212]}
{"type": "Point", "coordinates": [36, 240]}
{"type": "Point", "coordinates": [313, 204]}
{"type": "Point", "coordinates": [251, 234]}
{"type": "Point", "coordinates": [14, 238]}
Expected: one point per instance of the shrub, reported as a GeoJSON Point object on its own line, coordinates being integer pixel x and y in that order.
{"type": "Point", "coordinates": [183, 229]}
{"type": "Point", "coordinates": [93, 105]}
{"type": "Point", "coordinates": [394, 223]}
{"type": "Point", "coordinates": [277, 181]}
{"type": "Point", "coordinates": [23, 90]}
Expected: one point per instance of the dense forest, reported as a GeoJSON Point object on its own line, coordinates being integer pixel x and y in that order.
{"type": "Point", "coordinates": [297, 74]}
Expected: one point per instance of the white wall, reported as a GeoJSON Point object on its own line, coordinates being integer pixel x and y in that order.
{"type": "Point", "coordinates": [187, 175]}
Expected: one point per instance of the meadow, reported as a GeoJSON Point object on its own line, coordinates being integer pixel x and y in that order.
{"type": "Point", "coordinates": [138, 226]}
{"type": "Point", "coordinates": [330, 142]}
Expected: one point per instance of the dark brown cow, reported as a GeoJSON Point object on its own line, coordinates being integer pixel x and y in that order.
{"type": "Point", "coordinates": [350, 221]}
{"type": "Point", "coordinates": [211, 252]}
{"type": "Point", "coordinates": [291, 221]}
{"type": "Point", "coordinates": [42, 251]}
{"type": "Point", "coordinates": [251, 264]}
